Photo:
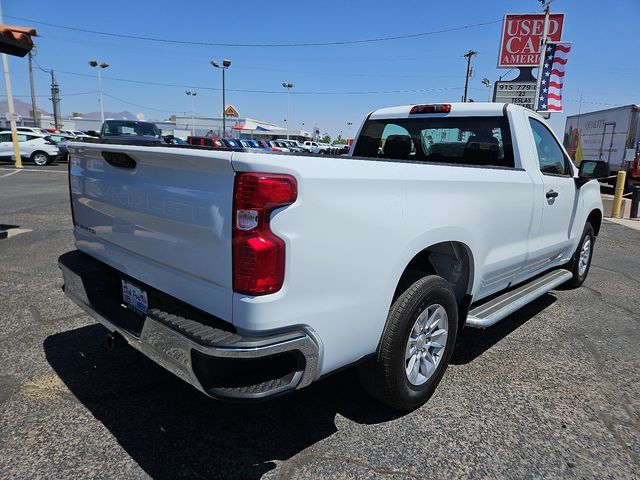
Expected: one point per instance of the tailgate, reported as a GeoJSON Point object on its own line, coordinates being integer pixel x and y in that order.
{"type": "Point", "coordinates": [161, 215]}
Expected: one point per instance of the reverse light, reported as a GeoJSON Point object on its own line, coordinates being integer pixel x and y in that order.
{"type": "Point", "coordinates": [433, 108]}
{"type": "Point", "coordinates": [259, 254]}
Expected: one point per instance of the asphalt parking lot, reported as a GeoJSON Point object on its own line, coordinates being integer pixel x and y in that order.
{"type": "Point", "coordinates": [550, 392]}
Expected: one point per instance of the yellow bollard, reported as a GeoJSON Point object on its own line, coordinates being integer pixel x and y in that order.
{"type": "Point", "coordinates": [16, 148]}
{"type": "Point", "coordinates": [617, 196]}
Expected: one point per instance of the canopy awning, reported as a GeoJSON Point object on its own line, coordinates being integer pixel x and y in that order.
{"type": "Point", "coordinates": [251, 126]}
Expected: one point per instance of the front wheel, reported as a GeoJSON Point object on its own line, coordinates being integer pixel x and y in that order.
{"type": "Point", "coordinates": [415, 347]}
{"type": "Point", "coordinates": [40, 158]}
{"type": "Point", "coordinates": [581, 260]}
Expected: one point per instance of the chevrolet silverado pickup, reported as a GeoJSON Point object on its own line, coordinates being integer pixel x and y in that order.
{"type": "Point", "coordinates": [251, 274]}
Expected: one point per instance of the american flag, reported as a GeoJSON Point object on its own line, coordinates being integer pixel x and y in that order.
{"type": "Point", "coordinates": [555, 59]}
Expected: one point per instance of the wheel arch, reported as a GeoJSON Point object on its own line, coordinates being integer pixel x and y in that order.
{"type": "Point", "coordinates": [452, 260]}
{"type": "Point", "coordinates": [595, 219]}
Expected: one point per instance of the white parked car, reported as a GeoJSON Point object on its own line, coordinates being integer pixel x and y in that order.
{"type": "Point", "coordinates": [315, 147]}
{"type": "Point", "coordinates": [249, 275]}
{"type": "Point", "coordinates": [33, 130]}
{"type": "Point", "coordinates": [38, 148]}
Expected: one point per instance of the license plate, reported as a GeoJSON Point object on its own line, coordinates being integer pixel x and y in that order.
{"type": "Point", "coordinates": [135, 297]}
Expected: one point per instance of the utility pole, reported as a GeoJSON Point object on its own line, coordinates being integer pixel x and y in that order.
{"type": "Point", "coordinates": [34, 109]}
{"type": "Point", "coordinates": [55, 100]}
{"type": "Point", "coordinates": [468, 56]}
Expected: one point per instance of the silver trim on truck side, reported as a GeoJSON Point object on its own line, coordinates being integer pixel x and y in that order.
{"type": "Point", "coordinates": [172, 349]}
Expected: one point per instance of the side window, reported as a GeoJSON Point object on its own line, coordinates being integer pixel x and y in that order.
{"type": "Point", "coordinates": [5, 137]}
{"type": "Point", "coordinates": [22, 137]}
{"type": "Point", "coordinates": [550, 156]}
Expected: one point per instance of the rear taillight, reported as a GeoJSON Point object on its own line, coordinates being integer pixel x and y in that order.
{"type": "Point", "coordinates": [433, 108]}
{"type": "Point", "coordinates": [258, 254]}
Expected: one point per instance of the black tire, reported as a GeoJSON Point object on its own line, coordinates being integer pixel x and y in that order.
{"type": "Point", "coordinates": [40, 158]}
{"type": "Point", "coordinates": [384, 377]}
{"type": "Point", "coordinates": [574, 265]}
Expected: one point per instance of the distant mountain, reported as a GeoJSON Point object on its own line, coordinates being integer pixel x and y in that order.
{"type": "Point", "coordinates": [21, 108]}
{"type": "Point", "coordinates": [24, 109]}
{"type": "Point", "coordinates": [123, 115]}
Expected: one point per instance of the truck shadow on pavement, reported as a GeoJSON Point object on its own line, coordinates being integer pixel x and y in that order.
{"type": "Point", "coordinates": [173, 431]}
{"type": "Point", "coordinates": [473, 342]}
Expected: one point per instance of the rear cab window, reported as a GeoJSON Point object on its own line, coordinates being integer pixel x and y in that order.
{"type": "Point", "coordinates": [473, 141]}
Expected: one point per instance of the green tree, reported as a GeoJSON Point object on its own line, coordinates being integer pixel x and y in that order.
{"type": "Point", "coordinates": [326, 138]}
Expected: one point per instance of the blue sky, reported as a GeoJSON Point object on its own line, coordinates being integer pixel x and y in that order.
{"type": "Point", "coordinates": [603, 66]}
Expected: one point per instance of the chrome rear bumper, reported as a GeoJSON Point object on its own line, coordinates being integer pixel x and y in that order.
{"type": "Point", "coordinates": [215, 360]}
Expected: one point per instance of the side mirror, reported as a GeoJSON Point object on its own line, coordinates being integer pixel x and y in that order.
{"type": "Point", "coordinates": [591, 170]}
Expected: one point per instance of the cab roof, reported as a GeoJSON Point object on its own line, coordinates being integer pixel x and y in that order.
{"type": "Point", "coordinates": [458, 109]}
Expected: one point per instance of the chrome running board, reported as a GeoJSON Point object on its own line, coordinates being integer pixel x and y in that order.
{"type": "Point", "coordinates": [496, 309]}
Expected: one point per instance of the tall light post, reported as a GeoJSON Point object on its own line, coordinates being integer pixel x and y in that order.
{"type": "Point", "coordinates": [288, 86]}
{"type": "Point", "coordinates": [349, 130]}
{"type": "Point", "coordinates": [225, 64]}
{"type": "Point", "coordinates": [193, 111]}
{"type": "Point", "coordinates": [487, 83]}
{"type": "Point", "coordinates": [99, 66]}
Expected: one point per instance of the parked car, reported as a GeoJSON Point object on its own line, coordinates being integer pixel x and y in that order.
{"type": "Point", "coordinates": [279, 278]}
{"type": "Point", "coordinates": [314, 147]}
{"type": "Point", "coordinates": [292, 145]}
{"type": "Point", "coordinates": [172, 140]}
{"type": "Point", "coordinates": [131, 131]}
{"type": "Point", "coordinates": [33, 130]}
{"type": "Point", "coordinates": [252, 144]}
{"type": "Point", "coordinates": [233, 143]}
{"type": "Point", "coordinates": [39, 149]}
{"type": "Point", "coordinates": [61, 141]}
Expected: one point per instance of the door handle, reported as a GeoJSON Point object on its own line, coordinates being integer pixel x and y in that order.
{"type": "Point", "coordinates": [551, 194]}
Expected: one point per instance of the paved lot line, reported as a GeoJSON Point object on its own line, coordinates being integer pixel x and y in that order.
{"type": "Point", "coordinates": [10, 173]}
{"type": "Point", "coordinates": [34, 170]}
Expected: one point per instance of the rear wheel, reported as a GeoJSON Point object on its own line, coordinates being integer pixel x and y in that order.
{"type": "Point", "coordinates": [581, 260]}
{"type": "Point", "coordinates": [40, 158]}
{"type": "Point", "coordinates": [416, 345]}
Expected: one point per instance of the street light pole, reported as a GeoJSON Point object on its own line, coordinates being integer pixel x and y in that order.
{"type": "Point", "coordinates": [288, 86]}
{"type": "Point", "coordinates": [193, 110]}
{"type": "Point", "coordinates": [99, 66]}
{"type": "Point", "coordinates": [468, 55]}
{"type": "Point", "coordinates": [349, 130]}
{"type": "Point", "coordinates": [225, 64]}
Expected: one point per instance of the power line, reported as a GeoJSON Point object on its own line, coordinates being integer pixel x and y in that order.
{"type": "Point", "coordinates": [49, 95]}
{"type": "Point", "coordinates": [277, 92]}
{"type": "Point", "coordinates": [213, 44]}
{"type": "Point", "coordinates": [136, 104]}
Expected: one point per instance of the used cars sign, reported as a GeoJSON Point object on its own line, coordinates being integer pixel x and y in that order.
{"type": "Point", "coordinates": [521, 35]}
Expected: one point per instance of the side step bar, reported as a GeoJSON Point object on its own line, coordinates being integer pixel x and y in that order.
{"type": "Point", "coordinates": [496, 309]}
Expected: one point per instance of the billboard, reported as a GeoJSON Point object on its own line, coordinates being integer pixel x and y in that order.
{"type": "Point", "coordinates": [521, 35]}
{"type": "Point", "coordinates": [517, 92]}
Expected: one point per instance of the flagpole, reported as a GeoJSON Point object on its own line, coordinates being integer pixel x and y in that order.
{"type": "Point", "coordinates": [543, 47]}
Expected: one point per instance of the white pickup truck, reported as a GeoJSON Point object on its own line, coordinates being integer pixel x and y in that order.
{"type": "Point", "coordinates": [251, 274]}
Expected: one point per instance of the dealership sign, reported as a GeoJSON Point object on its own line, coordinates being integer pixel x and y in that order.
{"type": "Point", "coordinates": [517, 92]}
{"type": "Point", "coordinates": [521, 36]}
